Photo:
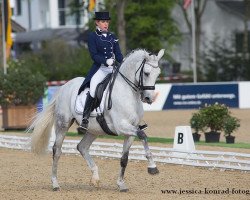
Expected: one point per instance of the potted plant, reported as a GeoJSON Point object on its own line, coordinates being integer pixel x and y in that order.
{"type": "Point", "coordinates": [196, 123]}
{"type": "Point", "coordinates": [231, 124]}
{"type": "Point", "coordinates": [214, 116]}
{"type": "Point", "coordinates": [20, 90]}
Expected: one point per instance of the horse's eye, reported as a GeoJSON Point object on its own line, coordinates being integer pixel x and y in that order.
{"type": "Point", "coordinates": [146, 73]}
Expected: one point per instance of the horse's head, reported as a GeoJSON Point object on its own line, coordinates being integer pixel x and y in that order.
{"type": "Point", "coordinates": [146, 75]}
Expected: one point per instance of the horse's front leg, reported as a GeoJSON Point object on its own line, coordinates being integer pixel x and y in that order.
{"type": "Point", "coordinates": [152, 169]}
{"type": "Point", "coordinates": [124, 161]}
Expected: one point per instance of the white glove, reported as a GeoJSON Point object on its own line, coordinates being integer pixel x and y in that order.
{"type": "Point", "coordinates": [110, 61]}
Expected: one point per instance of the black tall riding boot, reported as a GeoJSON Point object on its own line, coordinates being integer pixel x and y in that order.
{"type": "Point", "coordinates": [86, 113]}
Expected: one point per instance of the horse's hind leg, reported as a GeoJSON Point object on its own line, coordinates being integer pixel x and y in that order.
{"type": "Point", "coordinates": [124, 161]}
{"type": "Point", "coordinates": [56, 155]}
{"type": "Point", "coordinates": [60, 130]}
{"type": "Point", "coordinates": [83, 148]}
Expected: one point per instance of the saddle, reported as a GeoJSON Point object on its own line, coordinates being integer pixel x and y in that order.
{"type": "Point", "coordinates": [100, 90]}
{"type": "Point", "coordinates": [98, 98]}
{"type": "Point", "coordinates": [101, 87]}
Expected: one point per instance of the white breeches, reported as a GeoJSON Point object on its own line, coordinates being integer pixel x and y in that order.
{"type": "Point", "coordinates": [102, 72]}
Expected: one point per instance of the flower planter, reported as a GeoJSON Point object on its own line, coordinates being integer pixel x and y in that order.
{"type": "Point", "coordinates": [230, 139]}
{"type": "Point", "coordinates": [212, 137]}
{"type": "Point", "coordinates": [196, 137]}
{"type": "Point", "coordinates": [17, 117]}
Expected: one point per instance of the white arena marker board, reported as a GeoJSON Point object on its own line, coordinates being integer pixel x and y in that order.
{"type": "Point", "coordinates": [183, 139]}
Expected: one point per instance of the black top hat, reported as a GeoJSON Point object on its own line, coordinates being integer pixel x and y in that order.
{"type": "Point", "coordinates": [102, 16]}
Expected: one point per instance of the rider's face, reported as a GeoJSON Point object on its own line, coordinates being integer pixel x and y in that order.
{"type": "Point", "coordinates": [103, 24]}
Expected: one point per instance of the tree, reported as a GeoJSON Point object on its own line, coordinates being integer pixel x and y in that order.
{"type": "Point", "coordinates": [1, 39]}
{"type": "Point", "coordinates": [146, 24]}
{"type": "Point", "coordinates": [58, 61]}
{"type": "Point", "coordinates": [117, 11]}
{"type": "Point", "coordinates": [246, 35]}
{"type": "Point", "coordinates": [120, 8]}
{"type": "Point", "coordinates": [222, 62]}
{"type": "Point", "coordinates": [151, 26]}
{"type": "Point", "coordinates": [199, 8]}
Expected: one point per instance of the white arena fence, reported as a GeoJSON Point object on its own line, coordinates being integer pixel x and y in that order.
{"type": "Point", "coordinates": [197, 158]}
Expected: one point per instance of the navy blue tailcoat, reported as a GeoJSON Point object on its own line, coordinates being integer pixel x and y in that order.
{"type": "Point", "coordinates": [101, 48]}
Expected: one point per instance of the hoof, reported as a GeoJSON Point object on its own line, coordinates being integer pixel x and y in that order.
{"type": "Point", "coordinates": [153, 171]}
{"type": "Point", "coordinates": [95, 183]}
{"type": "Point", "coordinates": [123, 188]}
{"type": "Point", "coordinates": [56, 189]}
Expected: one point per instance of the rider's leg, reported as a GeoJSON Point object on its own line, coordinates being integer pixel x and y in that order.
{"type": "Point", "coordinates": [102, 72]}
{"type": "Point", "coordinates": [86, 113]}
{"type": "Point", "coordinates": [95, 80]}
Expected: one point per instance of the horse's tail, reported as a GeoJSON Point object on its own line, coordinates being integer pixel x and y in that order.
{"type": "Point", "coordinates": [42, 126]}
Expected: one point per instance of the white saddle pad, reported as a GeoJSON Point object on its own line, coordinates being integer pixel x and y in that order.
{"type": "Point", "coordinates": [80, 103]}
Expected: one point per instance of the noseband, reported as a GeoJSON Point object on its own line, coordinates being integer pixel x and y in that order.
{"type": "Point", "coordinates": [140, 85]}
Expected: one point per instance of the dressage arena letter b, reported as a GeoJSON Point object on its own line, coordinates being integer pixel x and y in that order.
{"type": "Point", "coordinates": [180, 138]}
{"type": "Point", "coordinates": [183, 139]}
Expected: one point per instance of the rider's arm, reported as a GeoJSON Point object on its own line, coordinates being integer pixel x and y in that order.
{"type": "Point", "coordinates": [117, 51]}
{"type": "Point", "coordinates": [93, 51]}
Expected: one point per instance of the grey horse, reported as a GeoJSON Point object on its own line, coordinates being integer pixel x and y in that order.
{"type": "Point", "coordinates": [133, 86]}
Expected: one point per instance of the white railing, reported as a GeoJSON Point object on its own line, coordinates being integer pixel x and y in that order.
{"type": "Point", "coordinates": [211, 159]}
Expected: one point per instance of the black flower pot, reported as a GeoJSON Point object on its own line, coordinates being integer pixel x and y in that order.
{"type": "Point", "coordinates": [230, 139]}
{"type": "Point", "coordinates": [196, 137]}
{"type": "Point", "coordinates": [212, 136]}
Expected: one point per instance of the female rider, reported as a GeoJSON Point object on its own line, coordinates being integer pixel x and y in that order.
{"type": "Point", "coordinates": [104, 50]}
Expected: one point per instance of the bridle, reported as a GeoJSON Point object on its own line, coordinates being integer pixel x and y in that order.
{"type": "Point", "coordinates": [140, 86]}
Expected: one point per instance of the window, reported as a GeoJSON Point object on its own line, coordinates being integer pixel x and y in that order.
{"type": "Point", "coordinates": [18, 7]}
{"type": "Point", "coordinates": [61, 4]}
{"type": "Point", "coordinates": [239, 42]}
{"type": "Point", "coordinates": [66, 17]}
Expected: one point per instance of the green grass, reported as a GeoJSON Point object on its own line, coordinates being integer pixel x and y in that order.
{"type": "Point", "coordinates": [224, 144]}
{"type": "Point", "coordinates": [161, 140]}
{"type": "Point", "coordinates": [171, 141]}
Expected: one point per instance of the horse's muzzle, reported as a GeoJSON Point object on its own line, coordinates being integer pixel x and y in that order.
{"type": "Point", "coordinates": [146, 99]}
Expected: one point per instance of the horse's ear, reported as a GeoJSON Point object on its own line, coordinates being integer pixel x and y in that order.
{"type": "Point", "coordinates": [160, 54]}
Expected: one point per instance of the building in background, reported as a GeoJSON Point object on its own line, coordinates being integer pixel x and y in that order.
{"type": "Point", "coordinates": [222, 18]}
{"type": "Point", "coordinates": [49, 19]}
{"type": "Point", "coordinates": [37, 14]}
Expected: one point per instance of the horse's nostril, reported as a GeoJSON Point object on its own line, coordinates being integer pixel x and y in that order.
{"type": "Point", "coordinates": [147, 99]}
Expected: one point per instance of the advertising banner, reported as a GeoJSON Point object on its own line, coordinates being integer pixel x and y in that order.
{"type": "Point", "coordinates": [195, 96]}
